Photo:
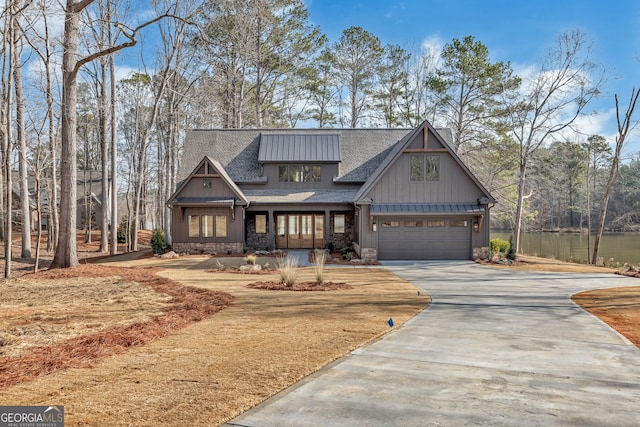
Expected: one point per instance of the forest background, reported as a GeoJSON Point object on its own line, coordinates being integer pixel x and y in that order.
{"type": "Point", "coordinates": [101, 145]}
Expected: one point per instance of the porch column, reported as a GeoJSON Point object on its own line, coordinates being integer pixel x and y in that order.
{"type": "Point", "coordinates": [272, 229]}
{"type": "Point", "coordinates": [327, 227]}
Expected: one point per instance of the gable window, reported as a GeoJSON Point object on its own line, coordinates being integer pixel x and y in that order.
{"type": "Point", "coordinates": [339, 224]}
{"type": "Point", "coordinates": [206, 183]}
{"type": "Point", "coordinates": [299, 173]}
{"type": "Point", "coordinates": [425, 168]}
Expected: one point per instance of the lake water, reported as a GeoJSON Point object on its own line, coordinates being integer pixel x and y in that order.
{"type": "Point", "coordinates": [622, 247]}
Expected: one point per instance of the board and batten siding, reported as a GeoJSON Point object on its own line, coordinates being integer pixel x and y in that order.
{"type": "Point", "coordinates": [180, 224]}
{"type": "Point", "coordinates": [454, 185]}
{"type": "Point", "coordinates": [195, 188]}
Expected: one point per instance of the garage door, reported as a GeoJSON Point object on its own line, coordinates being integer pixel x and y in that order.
{"type": "Point", "coordinates": [424, 238]}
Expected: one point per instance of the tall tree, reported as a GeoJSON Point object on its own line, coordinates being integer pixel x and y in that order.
{"type": "Point", "coordinates": [21, 137]}
{"type": "Point", "coordinates": [470, 87]}
{"type": "Point", "coordinates": [597, 150]}
{"type": "Point", "coordinates": [393, 82]}
{"type": "Point", "coordinates": [357, 55]}
{"type": "Point", "coordinates": [626, 124]}
{"type": "Point", "coordinates": [66, 251]}
{"type": "Point", "coordinates": [549, 103]}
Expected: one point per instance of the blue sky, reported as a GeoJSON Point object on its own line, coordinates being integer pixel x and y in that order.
{"type": "Point", "coordinates": [513, 30]}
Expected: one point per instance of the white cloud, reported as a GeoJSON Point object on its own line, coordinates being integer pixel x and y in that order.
{"type": "Point", "coordinates": [432, 46]}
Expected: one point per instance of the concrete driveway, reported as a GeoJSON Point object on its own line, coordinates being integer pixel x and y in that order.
{"type": "Point", "coordinates": [495, 347]}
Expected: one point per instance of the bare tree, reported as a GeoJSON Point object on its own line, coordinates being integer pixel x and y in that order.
{"type": "Point", "coordinates": [549, 104]}
{"type": "Point", "coordinates": [66, 251]}
{"type": "Point", "coordinates": [626, 124]}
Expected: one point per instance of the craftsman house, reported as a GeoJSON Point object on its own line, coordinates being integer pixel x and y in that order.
{"type": "Point", "coordinates": [387, 193]}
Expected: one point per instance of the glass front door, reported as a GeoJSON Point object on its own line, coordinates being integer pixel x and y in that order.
{"type": "Point", "coordinates": [299, 231]}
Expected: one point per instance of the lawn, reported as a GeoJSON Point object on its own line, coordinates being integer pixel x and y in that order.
{"type": "Point", "coordinates": [215, 368]}
{"type": "Point", "coordinates": [173, 342]}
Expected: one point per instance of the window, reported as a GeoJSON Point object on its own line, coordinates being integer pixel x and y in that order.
{"type": "Point", "coordinates": [206, 183]}
{"type": "Point", "coordinates": [299, 173]}
{"type": "Point", "coordinates": [221, 226]}
{"type": "Point", "coordinates": [295, 173]}
{"type": "Point", "coordinates": [425, 168]}
{"type": "Point", "coordinates": [261, 224]}
{"type": "Point", "coordinates": [194, 225]}
{"type": "Point", "coordinates": [461, 223]}
{"type": "Point", "coordinates": [390, 224]}
{"type": "Point", "coordinates": [417, 168]}
{"type": "Point", "coordinates": [435, 223]}
{"type": "Point", "coordinates": [283, 173]}
{"type": "Point", "coordinates": [432, 168]}
{"type": "Point", "coordinates": [413, 223]}
{"type": "Point", "coordinates": [339, 224]}
{"type": "Point", "coordinates": [207, 225]}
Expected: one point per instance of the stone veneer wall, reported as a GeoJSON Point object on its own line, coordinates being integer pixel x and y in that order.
{"type": "Point", "coordinates": [207, 248]}
{"type": "Point", "coordinates": [342, 240]}
{"type": "Point", "coordinates": [259, 242]}
{"type": "Point", "coordinates": [481, 252]}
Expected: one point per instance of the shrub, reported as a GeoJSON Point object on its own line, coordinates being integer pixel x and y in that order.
{"type": "Point", "coordinates": [123, 230]}
{"type": "Point", "coordinates": [499, 246]}
{"type": "Point", "coordinates": [251, 259]}
{"type": "Point", "coordinates": [288, 268]}
{"type": "Point", "coordinates": [158, 242]}
{"type": "Point", "coordinates": [319, 259]}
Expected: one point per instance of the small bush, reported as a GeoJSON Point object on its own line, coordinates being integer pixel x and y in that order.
{"type": "Point", "coordinates": [288, 268]}
{"type": "Point", "coordinates": [499, 246]}
{"type": "Point", "coordinates": [251, 259]}
{"type": "Point", "coordinates": [123, 230]}
{"type": "Point", "coordinates": [158, 242]}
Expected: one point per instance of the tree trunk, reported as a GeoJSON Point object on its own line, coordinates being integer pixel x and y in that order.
{"type": "Point", "coordinates": [520, 206]}
{"type": "Point", "coordinates": [22, 147]}
{"type": "Point", "coordinates": [66, 251]}
{"type": "Point", "coordinates": [114, 149]}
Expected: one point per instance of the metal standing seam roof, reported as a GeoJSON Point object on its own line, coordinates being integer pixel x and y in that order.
{"type": "Point", "coordinates": [427, 208]}
{"type": "Point", "coordinates": [289, 147]}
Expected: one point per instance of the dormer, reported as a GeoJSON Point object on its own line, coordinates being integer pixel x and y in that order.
{"type": "Point", "coordinates": [294, 158]}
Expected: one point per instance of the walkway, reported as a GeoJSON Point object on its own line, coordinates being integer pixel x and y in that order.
{"type": "Point", "coordinates": [495, 347]}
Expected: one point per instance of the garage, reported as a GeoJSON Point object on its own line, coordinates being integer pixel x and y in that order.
{"type": "Point", "coordinates": [436, 238]}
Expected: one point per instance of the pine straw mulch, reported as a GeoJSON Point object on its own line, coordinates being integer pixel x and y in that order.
{"type": "Point", "coordinates": [186, 306]}
{"type": "Point", "coordinates": [300, 287]}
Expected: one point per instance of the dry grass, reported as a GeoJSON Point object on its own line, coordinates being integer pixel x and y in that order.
{"type": "Point", "coordinates": [217, 368]}
{"type": "Point", "coordinates": [618, 307]}
{"type": "Point", "coordinates": [80, 342]}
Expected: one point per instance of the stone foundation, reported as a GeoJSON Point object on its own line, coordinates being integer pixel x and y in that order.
{"type": "Point", "coordinates": [481, 252]}
{"type": "Point", "coordinates": [368, 254]}
{"type": "Point", "coordinates": [207, 248]}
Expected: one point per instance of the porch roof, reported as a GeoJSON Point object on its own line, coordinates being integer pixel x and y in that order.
{"type": "Point", "coordinates": [278, 196]}
{"type": "Point", "coordinates": [426, 208]}
{"type": "Point", "coordinates": [205, 201]}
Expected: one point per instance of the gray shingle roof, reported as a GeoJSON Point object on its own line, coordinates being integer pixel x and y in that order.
{"type": "Point", "coordinates": [267, 196]}
{"type": "Point", "coordinates": [285, 147]}
{"type": "Point", "coordinates": [237, 150]}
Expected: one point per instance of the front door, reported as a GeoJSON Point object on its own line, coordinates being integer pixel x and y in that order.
{"type": "Point", "coordinates": [295, 231]}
